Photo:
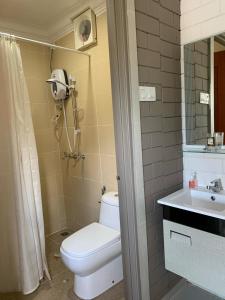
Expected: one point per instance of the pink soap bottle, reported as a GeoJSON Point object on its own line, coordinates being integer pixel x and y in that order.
{"type": "Point", "coordinates": [193, 182]}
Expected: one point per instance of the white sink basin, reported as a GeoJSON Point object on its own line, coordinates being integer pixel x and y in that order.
{"type": "Point", "coordinates": [200, 201]}
{"type": "Point", "coordinates": [206, 200]}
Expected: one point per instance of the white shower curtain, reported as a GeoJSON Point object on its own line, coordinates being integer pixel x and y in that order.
{"type": "Point", "coordinates": [22, 241]}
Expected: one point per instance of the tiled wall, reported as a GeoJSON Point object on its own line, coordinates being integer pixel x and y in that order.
{"type": "Point", "coordinates": [208, 167]}
{"type": "Point", "coordinates": [36, 68]}
{"type": "Point", "coordinates": [158, 39]}
{"type": "Point", "coordinates": [83, 180]}
{"type": "Point", "coordinates": [197, 80]}
{"type": "Point", "coordinates": [70, 191]}
{"type": "Point", "coordinates": [201, 19]}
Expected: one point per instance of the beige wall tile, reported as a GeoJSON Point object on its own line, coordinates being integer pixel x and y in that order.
{"type": "Point", "coordinates": [64, 145]}
{"type": "Point", "coordinates": [33, 48]}
{"type": "Point", "coordinates": [55, 220]}
{"type": "Point", "coordinates": [51, 186]}
{"type": "Point", "coordinates": [70, 61]}
{"type": "Point", "coordinates": [67, 41]}
{"type": "Point", "coordinates": [41, 115]}
{"type": "Point", "coordinates": [103, 92]}
{"type": "Point", "coordinates": [6, 186]}
{"type": "Point", "coordinates": [89, 168]}
{"type": "Point", "coordinates": [102, 48]}
{"type": "Point", "coordinates": [89, 140]}
{"type": "Point", "coordinates": [5, 162]}
{"type": "Point", "coordinates": [49, 164]}
{"type": "Point", "coordinates": [86, 98]}
{"type": "Point", "coordinates": [46, 141]}
{"type": "Point", "coordinates": [109, 172]}
{"type": "Point", "coordinates": [35, 64]}
{"type": "Point", "coordinates": [82, 205]}
{"type": "Point", "coordinates": [84, 190]}
{"type": "Point", "coordinates": [107, 140]}
{"type": "Point", "coordinates": [38, 89]}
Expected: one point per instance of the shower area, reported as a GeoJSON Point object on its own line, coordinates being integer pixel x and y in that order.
{"type": "Point", "coordinates": [71, 186]}
{"type": "Point", "coordinates": [74, 138]}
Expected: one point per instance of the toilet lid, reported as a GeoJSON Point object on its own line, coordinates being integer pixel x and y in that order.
{"type": "Point", "coordinates": [89, 240]}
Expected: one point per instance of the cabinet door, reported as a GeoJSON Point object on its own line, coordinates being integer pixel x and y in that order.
{"type": "Point", "coordinates": [196, 255]}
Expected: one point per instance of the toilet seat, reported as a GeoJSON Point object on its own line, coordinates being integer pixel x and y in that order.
{"type": "Point", "coordinates": [90, 248]}
{"type": "Point", "coordinates": [89, 240]}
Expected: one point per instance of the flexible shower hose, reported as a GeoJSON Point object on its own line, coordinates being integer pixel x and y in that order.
{"type": "Point", "coordinates": [66, 126]}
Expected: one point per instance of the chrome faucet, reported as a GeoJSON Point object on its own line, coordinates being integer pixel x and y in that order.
{"type": "Point", "coordinates": [216, 187]}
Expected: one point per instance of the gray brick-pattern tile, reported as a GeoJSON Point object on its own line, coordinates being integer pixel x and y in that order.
{"type": "Point", "coordinates": [153, 42]}
{"type": "Point", "coordinates": [171, 95]}
{"type": "Point", "coordinates": [170, 65]}
{"type": "Point", "coordinates": [148, 58]}
{"type": "Point", "coordinates": [158, 42]}
{"type": "Point", "coordinates": [147, 23]}
{"type": "Point", "coordinates": [145, 73]}
{"type": "Point", "coordinates": [142, 39]}
{"type": "Point", "coordinates": [169, 34]}
{"type": "Point", "coordinates": [172, 5]}
{"type": "Point", "coordinates": [170, 50]}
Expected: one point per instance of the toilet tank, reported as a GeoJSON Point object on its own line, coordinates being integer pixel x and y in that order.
{"type": "Point", "coordinates": [109, 212]}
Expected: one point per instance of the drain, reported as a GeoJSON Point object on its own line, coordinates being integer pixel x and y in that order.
{"type": "Point", "coordinates": [65, 281]}
{"type": "Point", "coordinates": [64, 233]}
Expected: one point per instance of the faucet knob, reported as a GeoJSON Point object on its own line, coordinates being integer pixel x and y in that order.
{"type": "Point", "coordinates": [218, 183]}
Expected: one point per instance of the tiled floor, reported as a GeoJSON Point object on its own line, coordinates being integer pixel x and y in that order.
{"type": "Point", "coordinates": [190, 292]}
{"type": "Point", "coordinates": [61, 285]}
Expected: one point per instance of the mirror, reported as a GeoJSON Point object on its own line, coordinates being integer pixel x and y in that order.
{"type": "Point", "coordinates": [204, 90]}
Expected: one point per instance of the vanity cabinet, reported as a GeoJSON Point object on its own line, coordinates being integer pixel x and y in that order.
{"type": "Point", "coordinates": [196, 255]}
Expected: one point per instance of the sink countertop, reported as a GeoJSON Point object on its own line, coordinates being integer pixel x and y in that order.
{"type": "Point", "coordinates": [197, 200]}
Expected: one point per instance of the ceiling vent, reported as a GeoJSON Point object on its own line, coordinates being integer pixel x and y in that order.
{"type": "Point", "coordinates": [85, 30]}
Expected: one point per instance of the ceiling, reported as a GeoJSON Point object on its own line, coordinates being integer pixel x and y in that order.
{"type": "Point", "coordinates": [43, 19]}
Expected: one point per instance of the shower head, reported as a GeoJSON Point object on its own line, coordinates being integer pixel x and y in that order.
{"type": "Point", "coordinates": [61, 86]}
{"type": "Point", "coordinates": [53, 80]}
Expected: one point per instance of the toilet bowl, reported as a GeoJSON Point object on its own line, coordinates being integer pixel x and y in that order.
{"type": "Point", "coordinates": [93, 253]}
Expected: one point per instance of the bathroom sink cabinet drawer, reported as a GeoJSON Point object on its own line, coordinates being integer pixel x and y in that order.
{"type": "Point", "coordinates": [196, 255]}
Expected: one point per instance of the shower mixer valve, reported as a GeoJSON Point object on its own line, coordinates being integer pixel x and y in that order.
{"type": "Point", "coordinates": [73, 156]}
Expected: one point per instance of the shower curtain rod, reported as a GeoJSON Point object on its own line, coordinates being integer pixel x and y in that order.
{"type": "Point", "coordinates": [42, 43]}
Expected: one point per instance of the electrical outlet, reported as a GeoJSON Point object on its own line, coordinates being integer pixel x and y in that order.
{"type": "Point", "coordinates": [204, 98]}
{"type": "Point", "coordinates": [147, 93]}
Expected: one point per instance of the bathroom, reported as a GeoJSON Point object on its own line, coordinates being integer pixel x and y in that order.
{"type": "Point", "coordinates": [74, 133]}
{"type": "Point", "coordinates": [133, 112]}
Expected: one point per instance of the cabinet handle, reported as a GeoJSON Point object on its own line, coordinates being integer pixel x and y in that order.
{"type": "Point", "coordinates": [180, 237]}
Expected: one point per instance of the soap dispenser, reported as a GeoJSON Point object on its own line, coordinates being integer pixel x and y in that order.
{"type": "Point", "coordinates": [193, 182]}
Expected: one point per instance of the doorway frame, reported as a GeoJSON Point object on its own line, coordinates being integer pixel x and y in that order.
{"type": "Point", "coordinates": [126, 109]}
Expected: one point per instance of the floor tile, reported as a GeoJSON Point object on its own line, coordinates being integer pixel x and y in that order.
{"type": "Point", "coordinates": [60, 236]}
{"type": "Point", "coordinates": [61, 285]}
{"type": "Point", "coordinates": [191, 292]}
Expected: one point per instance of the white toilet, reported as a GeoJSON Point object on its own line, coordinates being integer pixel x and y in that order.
{"type": "Point", "coordinates": [93, 253]}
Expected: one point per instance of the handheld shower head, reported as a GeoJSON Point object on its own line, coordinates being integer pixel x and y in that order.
{"type": "Point", "coordinates": [53, 80]}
